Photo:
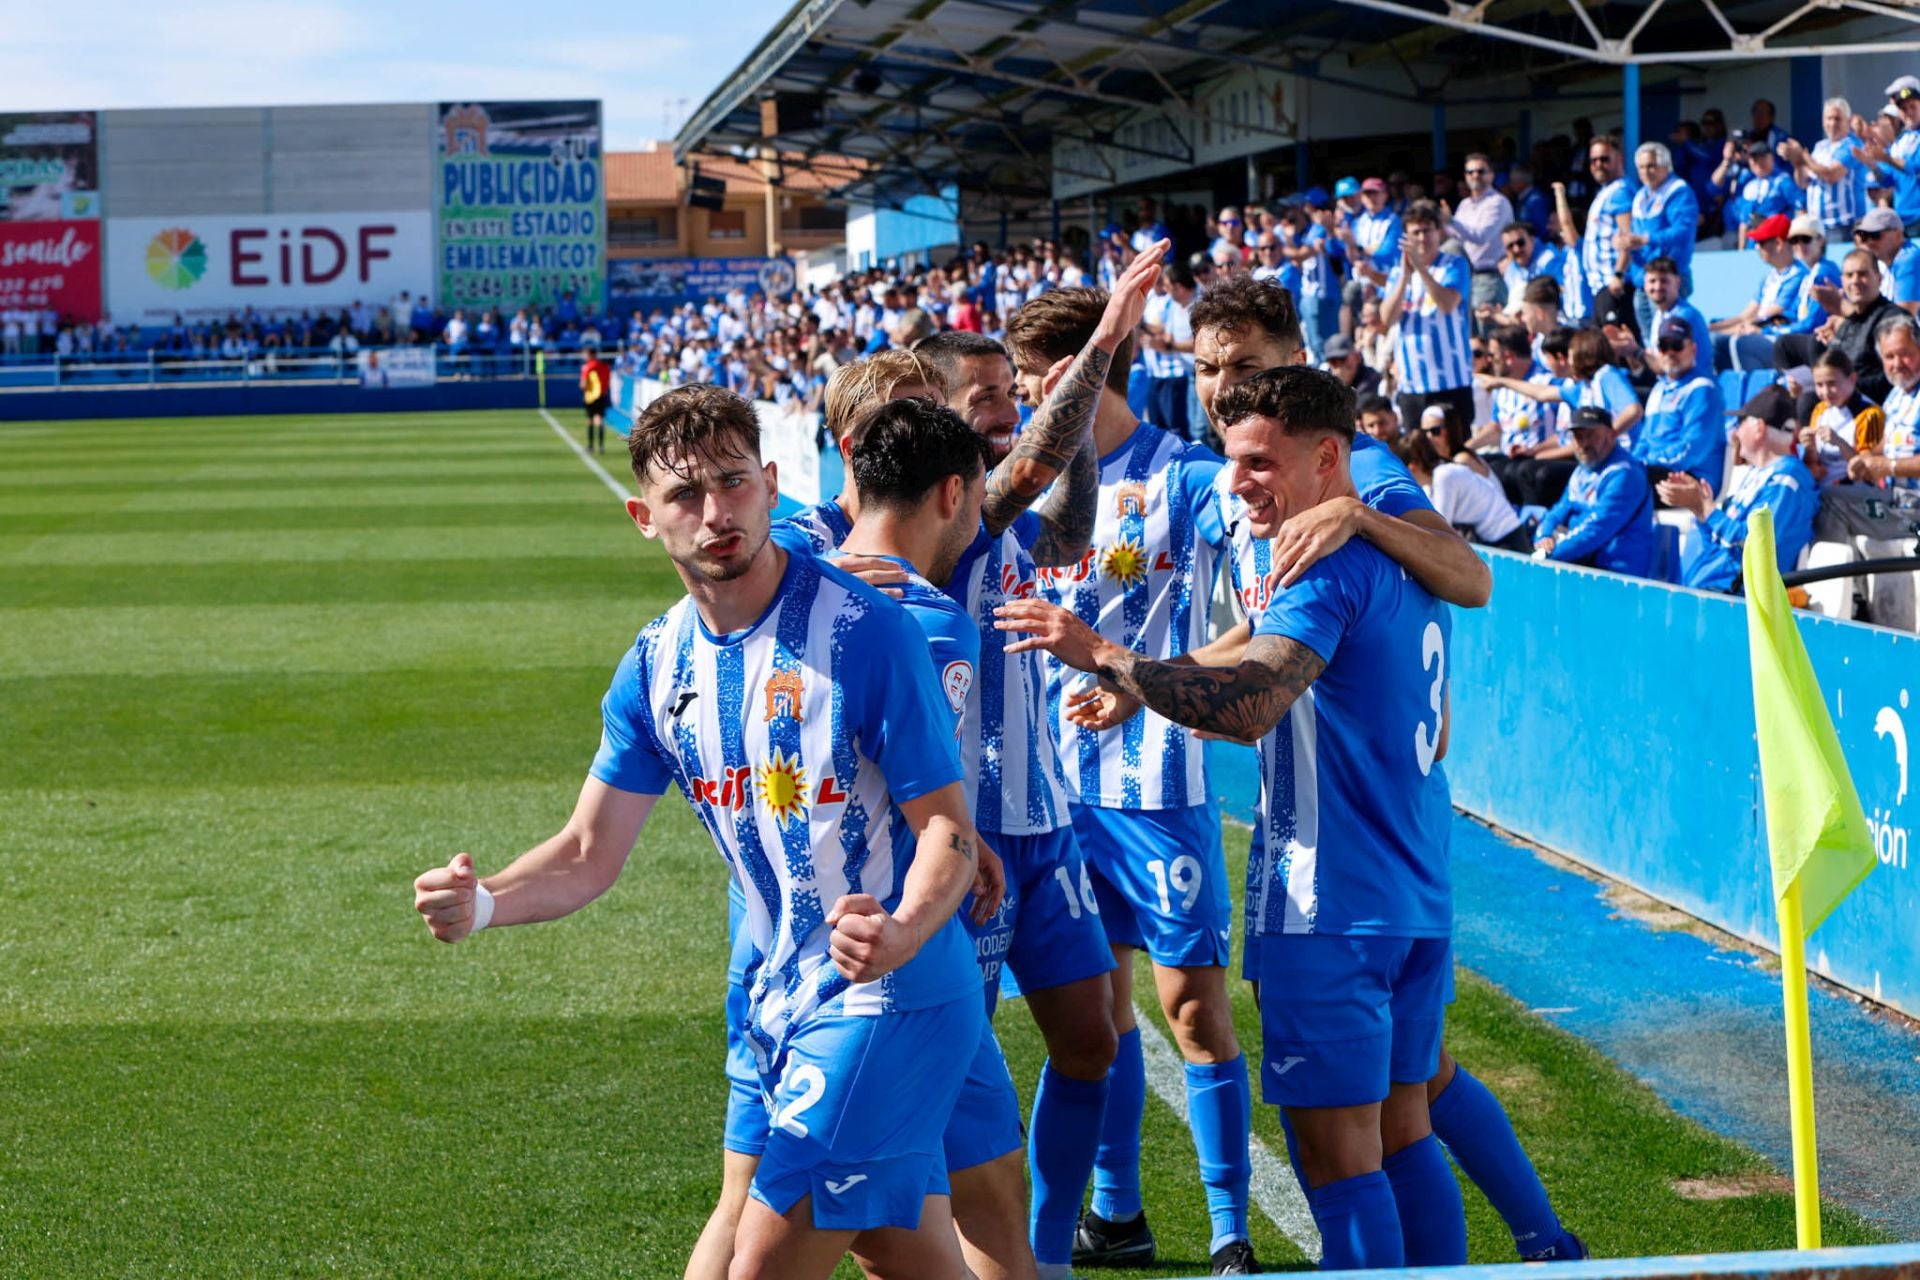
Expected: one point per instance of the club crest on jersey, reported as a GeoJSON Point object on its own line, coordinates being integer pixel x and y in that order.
{"type": "Point", "coordinates": [1125, 561]}
{"type": "Point", "coordinates": [1129, 499]}
{"type": "Point", "coordinates": [784, 691]}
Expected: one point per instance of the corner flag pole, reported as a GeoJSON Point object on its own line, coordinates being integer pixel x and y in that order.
{"type": "Point", "coordinates": [1793, 988]}
{"type": "Point", "coordinates": [540, 373]}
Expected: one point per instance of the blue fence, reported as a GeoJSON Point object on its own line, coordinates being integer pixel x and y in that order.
{"type": "Point", "coordinates": [1611, 720]}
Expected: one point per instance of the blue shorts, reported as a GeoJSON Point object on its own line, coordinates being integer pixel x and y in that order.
{"type": "Point", "coordinates": [1160, 877]}
{"type": "Point", "coordinates": [746, 1109]}
{"type": "Point", "coordinates": [1341, 1017]}
{"type": "Point", "coordinates": [1048, 930]}
{"type": "Point", "coordinates": [859, 1113]}
{"type": "Point", "coordinates": [986, 1117]}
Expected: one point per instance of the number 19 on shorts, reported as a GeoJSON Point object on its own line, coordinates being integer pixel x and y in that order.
{"type": "Point", "coordinates": [1181, 877]}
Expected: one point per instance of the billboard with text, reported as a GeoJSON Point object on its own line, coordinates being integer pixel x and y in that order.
{"type": "Point", "coordinates": [50, 212]}
{"type": "Point", "coordinates": [642, 284]}
{"type": "Point", "coordinates": [206, 267]}
{"type": "Point", "coordinates": [522, 208]}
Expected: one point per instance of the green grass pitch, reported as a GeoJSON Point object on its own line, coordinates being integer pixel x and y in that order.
{"type": "Point", "coordinates": [255, 675]}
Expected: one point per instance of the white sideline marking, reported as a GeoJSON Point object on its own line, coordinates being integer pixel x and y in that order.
{"type": "Point", "coordinates": [1272, 1188]}
{"type": "Point", "coordinates": [619, 490]}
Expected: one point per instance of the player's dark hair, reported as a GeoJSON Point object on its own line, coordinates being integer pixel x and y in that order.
{"type": "Point", "coordinates": [1060, 323]}
{"type": "Point", "coordinates": [1664, 264]}
{"type": "Point", "coordinates": [1373, 404]}
{"type": "Point", "coordinates": [691, 422]}
{"type": "Point", "coordinates": [1301, 399]}
{"type": "Point", "coordinates": [1245, 305]}
{"type": "Point", "coordinates": [903, 448]}
{"type": "Point", "coordinates": [945, 350]}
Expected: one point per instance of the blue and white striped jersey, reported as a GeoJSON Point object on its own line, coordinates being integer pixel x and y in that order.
{"type": "Point", "coordinates": [1523, 423]}
{"type": "Point", "coordinates": [1144, 583]}
{"type": "Point", "coordinates": [1902, 439]}
{"type": "Point", "coordinates": [1839, 204]}
{"type": "Point", "coordinates": [824, 526]}
{"type": "Point", "coordinates": [1435, 351]}
{"type": "Point", "coordinates": [1005, 732]}
{"type": "Point", "coordinates": [795, 747]}
{"type": "Point", "coordinates": [1597, 252]}
{"type": "Point", "coordinates": [1378, 234]}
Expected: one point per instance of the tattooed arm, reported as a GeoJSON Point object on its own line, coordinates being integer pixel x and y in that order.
{"type": "Point", "coordinates": [1241, 702]}
{"type": "Point", "coordinates": [1062, 431]}
{"type": "Point", "coordinates": [868, 940]}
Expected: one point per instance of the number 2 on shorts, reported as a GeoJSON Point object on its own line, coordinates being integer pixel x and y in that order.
{"type": "Point", "coordinates": [809, 1086]}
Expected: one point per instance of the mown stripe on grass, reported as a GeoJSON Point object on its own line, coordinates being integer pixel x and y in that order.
{"type": "Point", "coordinates": [643, 582]}
{"type": "Point", "coordinates": [611, 540]}
{"type": "Point", "coordinates": [442, 724]}
{"type": "Point", "coordinates": [185, 496]}
{"type": "Point", "coordinates": [430, 464]}
{"type": "Point", "coordinates": [173, 640]}
{"type": "Point", "coordinates": [447, 511]}
{"type": "Point", "coordinates": [110, 484]}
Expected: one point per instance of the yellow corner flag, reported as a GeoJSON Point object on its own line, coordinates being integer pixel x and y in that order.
{"type": "Point", "coordinates": [1816, 831]}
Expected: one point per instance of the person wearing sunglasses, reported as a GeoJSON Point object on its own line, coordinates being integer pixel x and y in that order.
{"type": "Point", "coordinates": [1230, 230]}
{"type": "Point", "coordinates": [1527, 258]}
{"type": "Point", "coordinates": [1685, 425]}
{"type": "Point", "coordinates": [1599, 242]}
{"type": "Point", "coordinates": [1881, 235]}
{"type": "Point", "coordinates": [1745, 341]}
{"type": "Point", "coordinates": [1769, 190]}
{"type": "Point", "coordinates": [1809, 240]}
{"type": "Point", "coordinates": [1478, 222]}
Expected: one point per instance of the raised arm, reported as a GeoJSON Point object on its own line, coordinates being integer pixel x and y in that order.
{"type": "Point", "coordinates": [556, 877]}
{"type": "Point", "coordinates": [1054, 438]}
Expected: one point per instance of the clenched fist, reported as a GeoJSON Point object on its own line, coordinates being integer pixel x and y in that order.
{"type": "Point", "coordinates": [447, 898]}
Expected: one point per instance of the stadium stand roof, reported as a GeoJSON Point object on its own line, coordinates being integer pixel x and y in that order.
{"type": "Point", "coordinates": [977, 92]}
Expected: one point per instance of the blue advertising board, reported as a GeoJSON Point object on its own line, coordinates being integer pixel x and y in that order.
{"type": "Point", "coordinates": [1611, 719]}
{"type": "Point", "coordinates": [646, 284]}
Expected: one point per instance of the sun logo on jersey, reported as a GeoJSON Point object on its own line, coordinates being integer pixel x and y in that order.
{"type": "Point", "coordinates": [1130, 499]}
{"type": "Point", "coordinates": [783, 690]}
{"type": "Point", "coordinates": [1125, 562]}
{"type": "Point", "coordinates": [782, 783]}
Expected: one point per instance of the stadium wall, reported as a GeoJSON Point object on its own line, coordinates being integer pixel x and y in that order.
{"type": "Point", "coordinates": [1611, 720]}
{"type": "Point", "coordinates": [228, 400]}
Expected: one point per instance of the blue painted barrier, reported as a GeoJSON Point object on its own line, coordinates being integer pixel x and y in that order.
{"type": "Point", "coordinates": [215, 400]}
{"type": "Point", "coordinates": [1611, 720]}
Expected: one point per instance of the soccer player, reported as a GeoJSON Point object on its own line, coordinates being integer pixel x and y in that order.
{"type": "Point", "coordinates": [1141, 810]}
{"type": "Point", "coordinates": [1240, 330]}
{"type": "Point", "coordinates": [1049, 931]}
{"type": "Point", "coordinates": [887, 375]}
{"type": "Point", "coordinates": [830, 784]}
{"type": "Point", "coordinates": [596, 390]}
{"type": "Point", "coordinates": [1355, 950]}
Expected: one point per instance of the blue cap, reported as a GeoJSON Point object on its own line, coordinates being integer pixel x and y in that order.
{"type": "Point", "coordinates": [1318, 197]}
{"type": "Point", "coordinates": [1346, 187]}
{"type": "Point", "coordinates": [1109, 231]}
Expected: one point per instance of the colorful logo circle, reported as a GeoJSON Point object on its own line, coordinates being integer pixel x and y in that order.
{"type": "Point", "coordinates": [176, 259]}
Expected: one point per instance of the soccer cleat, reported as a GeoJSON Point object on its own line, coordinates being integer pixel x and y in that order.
{"type": "Point", "coordinates": [1568, 1247]}
{"type": "Point", "coordinates": [1235, 1258]}
{"type": "Point", "coordinates": [1099, 1243]}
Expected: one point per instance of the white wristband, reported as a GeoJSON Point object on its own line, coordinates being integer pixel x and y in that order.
{"type": "Point", "coordinates": [482, 909]}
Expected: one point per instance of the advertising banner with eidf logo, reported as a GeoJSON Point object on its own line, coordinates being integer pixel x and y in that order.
{"type": "Point", "coordinates": [522, 206]}
{"type": "Point", "coordinates": [203, 267]}
{"type": "Point", "coordinates": [50, 213]}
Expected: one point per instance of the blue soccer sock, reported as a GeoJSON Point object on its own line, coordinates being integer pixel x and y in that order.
{"type": "Point", "coordinates": [1116, 1165]}
{"type": "Point", "coordinates": [1220, 1113]}
{"type": "Point", "coordinates": [1433, 1221]}
{"type": "Point", "coordinates": [1065, 1129]}
{"type": "Point", "coordinates": [1359, 1225]}
{"type": "Point", "coordinates": [1473, 1124]}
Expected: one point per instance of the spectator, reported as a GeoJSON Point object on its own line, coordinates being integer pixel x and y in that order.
{"type": "Point", "coordinates": [1761, 126]}
{"type": "Point", "coordinates": [1230, 231]}
{"type": "Point", "coordinates": [1662, 286]}
{"type": "Point", "coordinates": [1168, 350]}
{"type": "Point", "coordinates": [1427, 298]}
{"type": "Point", "coordinates": [1685, 425]}
{"type": "Point", "coordinates": [1768, 192]}
{"type": "Point", "coordinates": [1342, 359]}
{"type": "Point", "coordinates": [1530, 203]}
{"type": "Point", "coordinates": [1774, 478]}
{"type": "Point", "coordinates": [1832, 175]}
{"type": "Point", "coordinates": [455, 334]}
{"type": "Point", "coordinates": [1863, 315]}
{"type": "Point", "coordinates": [1895, 464]}
{"type": "Point", "coordinates": [1148, 229]}
{"type": "Point", "coordinates": [1605, 518]}
{"type": "Point", "coordinates": [1372, 241]}
{"type": "Point", "coordinates": [1595, 381]}
{"type": "Point", "coordinates": [1745, 341]}
{"type": "Point", "coordinates": [1838, 420]}
{"type": "Point", "coordinates": [1518, 426]}
{"type": "Point", "coordinates": [1378, 419]}
{"type": "Point", "coordinates": [1664, 220]}
{"type": "Point", "coordinates": [1898, 258]}
{"type": "Point", "coordinates": [1469, 501]}
{"type": "Point", "coordinates": [1900, 161]}
{"type": "Point", "coordinates": [1809, 240]}
{"type": "Point", "coordinates": [1319, 296]}
{"type": "Point", "coordinates": [1609, 216]}
{"type": "Point", "coordinates": [1526, 260]}
{"type": "Point", "coordinates": [913, 325]}
{"type": "Point", "coordinates": [1483, 213]}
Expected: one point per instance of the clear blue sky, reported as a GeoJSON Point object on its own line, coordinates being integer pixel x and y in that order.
{"type": "Point", "coordinates": [649, 61]}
